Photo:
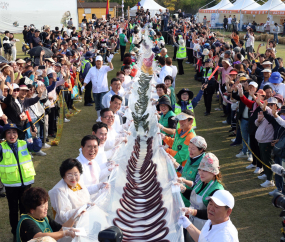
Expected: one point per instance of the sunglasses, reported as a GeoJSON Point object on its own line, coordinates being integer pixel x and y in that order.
{"type": "Point", "coordinates": [16, 90]}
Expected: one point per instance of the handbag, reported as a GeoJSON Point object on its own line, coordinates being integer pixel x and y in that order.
{"type": "Point", "coordinates": [75, 92]}
{"type": "Point", "coordinates": [279, 146]}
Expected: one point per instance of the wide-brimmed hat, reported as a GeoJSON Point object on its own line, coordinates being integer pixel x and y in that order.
{"type": "Point", "coordinates": [20, 61]}
{"type": "Point", "coordinates": [164, 100]}
{"type": "Point", "coordinates": [266, 63]}
{"type": "Point", "coordinates": [156, 50]}
{"type": "Point", "coordinates": [272, 100]}
{"type": "Point", "coordinates": [190, 93]}
{"type": "Point", "coordinates": [227, 61]}
{"type": "Point", "coordinates": [210, 163]}
{"type": "Point", "coordinates": [275, 78]}
{"type": "Point", "coordinates": [184, 115]}
{"type": "Point", "coordinates": [10, 126]}
{"type": "Point", "coordinates": [89, 55]}
{"type": "Point", "coordinates": [3, 67]}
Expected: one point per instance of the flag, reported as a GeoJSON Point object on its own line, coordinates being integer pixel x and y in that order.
{"type": "Point", "coordinates": [107, 9]}
{"type": "Point", "coordinates": [139, 5]}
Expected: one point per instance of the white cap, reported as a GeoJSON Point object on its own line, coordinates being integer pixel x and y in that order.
{"type": "Point", "coordinates": [50, 70]}
{"type": "Point", "coordinates": [223, 198]}
{"type": "Point", "coordinates": [99, 58]}
{"type": "Point", "coordinates": [266, 70]}
{"type": "Point", "coordinates": [266, 63]}
{"type": "Point", "coordinates": [15, 86]}
{"type": "Point", "coordinates": [253, 84]}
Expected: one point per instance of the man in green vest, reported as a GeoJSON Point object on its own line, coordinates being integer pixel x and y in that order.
{"type": "Point", "coordinates": [16, 169]}
{"type": "Point", "coordinates": [123, 42]}
{"type": "Point", "coordinates": [85, 67]}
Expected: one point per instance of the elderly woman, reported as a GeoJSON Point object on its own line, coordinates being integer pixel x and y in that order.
{"type": "Point", "coordinates": [166, 123]}
{"type": "Point", "coordinates": [189, 172]}
{"type": "Point", "coordinates": [70, 193]}
{"type": "Point", "coordinates": [36, 223]}
{"type": "Point", "coordinates": [210, 182]}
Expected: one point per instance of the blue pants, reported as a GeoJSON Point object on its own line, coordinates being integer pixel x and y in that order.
{"type": "Point", "coordinates": [276, 38]}
{"type": "Point", "coordinates": [165, 25]}
{"type": "Point", "coordinates": [245, 135]}
{"type": "Point", "coordinates": [98, 100]}
{"type": "Point", "coordinates": [28, 133]}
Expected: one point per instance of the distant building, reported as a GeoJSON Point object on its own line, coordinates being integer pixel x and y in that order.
{"type": "Point", "coordinates": [95, 10]}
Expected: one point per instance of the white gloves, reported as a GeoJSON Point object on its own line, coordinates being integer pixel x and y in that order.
{"type": "Point", "coordinates": [185, 222]}
{"type": "Point", "coordinates": [111, 163]}
{"type": "Point", "coordinates": [187, 210]}
{"type": "Point", "coordinates": [103, 185]}
{"type": "Point", "coordinates": [165, 147]}
{"type": "Point", "coordinates": [70, 232]}
{"type": "Point", "coordinates": [277, 169]}
{"type": "Point", "coordinates": [109, 59]}
{"type": "Point", "coordinates": [82, 88]}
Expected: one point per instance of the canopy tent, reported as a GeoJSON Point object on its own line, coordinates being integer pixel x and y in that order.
{"type": "Point", "coordinates": [224, 4]}
{"type": "Point", "coordinates": [148, 4]}
{"type": "Point", "coordinates": [14, 14]}
{"type": "Point", "coordinates": [265, 8]}
{"type": "Point", "coordinates": [240, 5]}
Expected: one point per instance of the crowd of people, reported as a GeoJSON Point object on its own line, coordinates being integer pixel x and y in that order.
{"type": "Point", "coordinates": [248, 84]}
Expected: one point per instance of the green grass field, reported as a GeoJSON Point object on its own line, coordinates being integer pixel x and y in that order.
{"type": "Point", "coordinates": [253, 215]}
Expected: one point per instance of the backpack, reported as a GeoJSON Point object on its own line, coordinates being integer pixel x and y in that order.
{"type": "Point", "coordinates": [279, 147]}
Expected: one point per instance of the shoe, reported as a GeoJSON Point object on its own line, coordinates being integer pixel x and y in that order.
{"type": "Point", "coordinates": [250, 158]}
{"type": "Point", "coordinates": [92, 101]}
{"type": "Point", "coordinates": [218, 109]}
{"type": "Point", "coordinates": [88, 104]}
{"type": "Point", "coordinates": [241, 155]}
{"type": "Point", "coordinates": [233, 140]}
{"type": "Point", "coordinates": [47, 139]}
{"type": "Point", "coordinates": [66, 120]}
{"type": "Point", "coordinates": [268, 183]}
{"type": "Point", "coordinates": [225, 122]}
{"type": "Point", "coordinates": [258, 170]}
{"type": "Point", "coordinates": [234, 144]}
{"type": "Point", "coordinates": [250, 166]}
{"type": "Point", "coordinates": [273, 192]}
{"type": "Point", "coordinates": [206, 114]}
{"type": "Point", "coordinates": [231, 130]}
{"type": "Point", "coordinates": [52, 135]}
{"type": "Point", "coordinates": [46, 146]}
{"type": "Point", "coordinates": [40, 153]}
{"type": "Point", "coordinates": [262, 177]}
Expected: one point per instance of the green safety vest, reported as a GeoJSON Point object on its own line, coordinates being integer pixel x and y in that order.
{"type": "Point", "coordinates": [178, 110]}
{"type": "Point", "coordinates": [209, 72]}
{"type": "Point", "coordinates": [43, 225]}
{"type": "Point", "coordinates": [83, 64]}
{"type": "Point", "coordinates": [189, 173]}
{"type": "Point", "coordinates": [9, 166]}
{"type": "Point", "coordinates": [122, 39]}
{"type": "Point", "coordinates": [181, 52]}
{"type": "Point", "coordinates": [180, 147]}
{"type": "Point", "coordinates": [214, 185]}
{"type": "Point", "coordinates": [164, 121]}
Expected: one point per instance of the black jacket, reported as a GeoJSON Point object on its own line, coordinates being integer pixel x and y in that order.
{"type": "Point", "coordinates": [241, 104]}
{"type": "Point", "coordinates": [279, 131]}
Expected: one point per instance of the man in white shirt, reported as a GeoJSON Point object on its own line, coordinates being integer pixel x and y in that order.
{"type": "Point", "coordinates": [174, 70]}
{"type": "Point", "coordinates": [116, 86]}
{"type": "Point", "coordinates": [165, 70]}
{"type": "Point", "coordinates": [98, 76]}
{"type": "Point", "coordinates": [229, 23]}
{"type": "Point", "coordinates": [113, 138]}
{"type": "Point", "coordinates": [92, 173]}
{"type": "Point", "coordinates": [219, 227]}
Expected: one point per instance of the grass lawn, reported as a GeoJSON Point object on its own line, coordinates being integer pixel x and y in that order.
{"type": "Point", "coordinates": [253, 215]}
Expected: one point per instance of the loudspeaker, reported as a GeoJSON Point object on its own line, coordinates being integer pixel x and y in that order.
{"type": "Point", "coordinates": [93, 15]}
{"type": "Point", "coordinates": [108, 16]}
{"type": "Point", "coordinates": [111, 234]}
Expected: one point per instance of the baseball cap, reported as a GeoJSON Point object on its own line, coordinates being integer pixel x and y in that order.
{"type": "Point", "coordinates": [99, 58]}
{"type": "Point", "coordinates": [266, 63]}
{"type": "Point", "coordinates": [24, 87]}
{"type": "Point", "coordinates": [261, 92]}
{"type": "Point", "coordinates": [223, 198]}
{"type": "Point", "coordinates": [233, 72]}
{"type": "Point", "coordinates": [272, 100]}
{"type": "Point", "coordinates": [253, 84]}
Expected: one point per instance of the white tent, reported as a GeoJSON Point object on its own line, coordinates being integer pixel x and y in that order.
{"type": "Point", "coordinates": [14, 14]}
{"type": "Point", "coordinates": [148, 4]}
{"type": "Point", "coordinates": [212, 13]}
{"type": "Point", "coordinates": [240, 5]}
{"type": "Point", "coordinates": [224, 4]}
{"type": "Point", "coordinates": [265, 8]}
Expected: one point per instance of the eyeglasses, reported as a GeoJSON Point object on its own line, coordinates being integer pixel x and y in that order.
{"type": "Point", "coordinates": [70, 176]}
{"type": "Point", "coordinates": [109, 117]}
{"type": "Point", "coordinates": [16, 90]}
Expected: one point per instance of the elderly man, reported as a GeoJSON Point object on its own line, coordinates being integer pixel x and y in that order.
{"type": "Point", "coordinates": [219, 227]}
{"type": "Point", "coordinates": [116, 86]}
{"type": "Point", "coordinates": [113, 138]}
{"type": "Point", "coordinates": [98, 76]}
{"type": "Point", "coordinates": [178, 147]}
{"type": "Point", "coordinates": [92, 173]}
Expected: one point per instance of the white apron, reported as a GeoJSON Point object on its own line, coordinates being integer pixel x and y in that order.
{"type": "Point", "coordinates": [196, 202]}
